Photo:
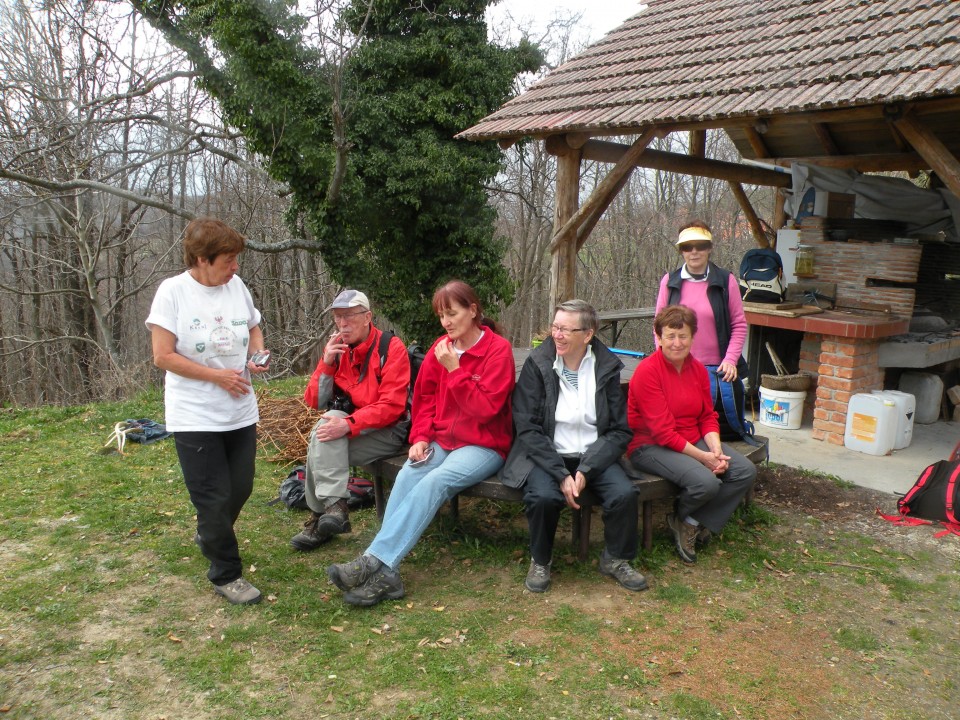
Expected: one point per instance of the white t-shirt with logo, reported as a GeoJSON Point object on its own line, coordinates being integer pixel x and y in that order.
{"type": "Point", "coordinates": [212, 327]}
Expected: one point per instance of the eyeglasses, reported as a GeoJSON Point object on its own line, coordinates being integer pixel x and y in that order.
{"type": "Point", "coordinates": [563, 332]}
{"type": "Point", "coordinates": [348, 317]}
{"type": "Point", "coordinates": [701, 246]}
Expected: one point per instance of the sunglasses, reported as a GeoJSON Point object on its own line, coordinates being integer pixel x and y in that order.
{"type": "Point", "coordinates": [701, 246]}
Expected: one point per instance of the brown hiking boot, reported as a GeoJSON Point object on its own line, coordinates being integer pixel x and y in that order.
{"type": "Point", "coordinates": [334, 521]}
{"type": "Point", "coordinates": [685, 536]}
{"type": "Point", "coordinates": [308, 538]}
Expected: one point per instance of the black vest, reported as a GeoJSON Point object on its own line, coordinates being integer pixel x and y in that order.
{"type": "Point", "coordinates": [717, 293]}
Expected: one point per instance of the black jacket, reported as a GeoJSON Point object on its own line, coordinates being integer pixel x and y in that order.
{"type": "Point", "coordinates": [534, 410]}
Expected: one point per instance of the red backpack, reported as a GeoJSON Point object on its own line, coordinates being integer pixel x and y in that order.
{"type": "Point", "coordinates": [935, 497]}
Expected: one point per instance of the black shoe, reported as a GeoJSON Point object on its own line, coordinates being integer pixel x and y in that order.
{"type": "Point", "coordinates": [334, 521]}
{"type": "Point", "coordinates": [384, 584]}
{"type": "Point", "coordinates": [309, 538]}
{"type": "Point", "coordinates": [347, 576]}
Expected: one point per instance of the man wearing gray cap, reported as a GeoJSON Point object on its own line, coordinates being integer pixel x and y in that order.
{"type": "Point", "coordinates": [366, 413]}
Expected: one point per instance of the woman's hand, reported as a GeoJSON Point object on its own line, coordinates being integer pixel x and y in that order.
{"type": "Point", "coordinates": [232, 381]}
{"type": "Point", "coordinates": [446, 355]}
{"type": "Point", "coordinates": [571, 487]}
{"type": "Point", "coordinates": [418, 451]}
{"type": "Point", "coordinates": [727, 372]}
{"type": "Point", "coordinates": [715, 461]}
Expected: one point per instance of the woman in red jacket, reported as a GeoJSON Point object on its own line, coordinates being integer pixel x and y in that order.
{"type": "Point", "coordinates": [461, 434]}
{"type": "Point", "coordinates": [676, 434]}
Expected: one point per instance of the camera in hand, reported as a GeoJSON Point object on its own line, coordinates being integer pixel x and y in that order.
{"type": "Point", "coordinates": [341, 401]}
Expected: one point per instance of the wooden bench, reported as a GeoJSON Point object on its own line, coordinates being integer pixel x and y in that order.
{"type": "Point", "coordinates": [649, 489]}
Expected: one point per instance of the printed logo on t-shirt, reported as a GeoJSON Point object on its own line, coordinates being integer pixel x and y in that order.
{"type": "Point", "coordinates": [224, 340]}
{"type": "Point", "coordinates": [200, 346]}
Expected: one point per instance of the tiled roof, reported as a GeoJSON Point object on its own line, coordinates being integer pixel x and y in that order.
{"type": "Point", "coordinates": [688, 61]}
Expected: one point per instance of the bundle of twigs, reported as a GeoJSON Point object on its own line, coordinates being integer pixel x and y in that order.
{"type": "Point", "coordinates": [285, 424]}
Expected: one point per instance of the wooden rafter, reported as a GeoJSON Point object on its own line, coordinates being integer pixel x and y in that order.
{"type": "Point", "coordinates": [698, 143]}
{"type": "Point", "coordinates": [826, 139]}
{"type": "Point", "coordinates": [931, 149]}
{"type": "Point", "coordinates": [760, 148]}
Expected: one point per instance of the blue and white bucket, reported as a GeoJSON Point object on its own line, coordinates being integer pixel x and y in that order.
{"type": "Point", "coordinates": [781, 408]}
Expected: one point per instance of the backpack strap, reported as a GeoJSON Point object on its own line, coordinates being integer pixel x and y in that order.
{"type": "Point", "coordinates": [739, 425]}
{"type": "Point", "coordinates": [383, 349]}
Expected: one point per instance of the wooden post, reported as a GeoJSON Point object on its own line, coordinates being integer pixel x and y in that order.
{"type": "Point", "coordinates": [779, 211]}
{"type": "Point", "coordinates": [758, 234]}
{"type": "Point", "coordinates": [563, 266]}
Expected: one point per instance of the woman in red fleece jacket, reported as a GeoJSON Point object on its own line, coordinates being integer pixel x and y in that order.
{"type": "Point", "coordinates": [461, 433]}
{"type": "Point", "coordinates": [676, 434]}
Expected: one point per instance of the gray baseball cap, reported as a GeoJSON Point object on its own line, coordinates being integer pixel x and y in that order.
{"type": "Point", "coordinates": [350, 299]}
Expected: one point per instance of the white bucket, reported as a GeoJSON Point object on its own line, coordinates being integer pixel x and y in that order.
{"type": "Point", "coordinates": [871, 424]}
{"type": "Point", "coordinates": [781, 409]}
{"type": "Point", "coordinates": [906, 409]}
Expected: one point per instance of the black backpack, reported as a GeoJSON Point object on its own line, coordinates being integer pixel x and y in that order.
{"type": "Point", "coordinates": [293, 490]}
{"type": "Point", "coordinates": [934, 497]}
{"type": "Point", "coordinates": [414, 352]}
{"type": "Point", "coordinates": [761, 276]}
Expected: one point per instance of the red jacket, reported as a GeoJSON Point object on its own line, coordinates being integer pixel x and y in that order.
{"type": "Point", "coordinates": [381, 399]}
{"type": "Point", "coordinates": [668, 408]}
{"type": "Point", "coordinates": [471, 405]}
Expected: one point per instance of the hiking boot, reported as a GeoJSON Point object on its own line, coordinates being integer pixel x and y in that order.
{"type": "Point", "coordinates": [347, 576]}
{"type": "Point", "coordinates": [308, 538]}
{"type": "Point", "coordinates": [239, 592]}
{"type": "Point", "coordinates": [704, 536]}
{"type": "Point", "coordinates": [685, 536]}
{"type": "Point", "coordinates": [334, 521]}
{"type": "Point", "coordinates": [538, 577]}
{"type": "Point", "coordinates": [383, 584]}
{"type": "Point", "coordinates": [622, 572]}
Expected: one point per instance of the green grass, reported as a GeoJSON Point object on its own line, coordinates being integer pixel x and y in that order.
{"type": "Point", "coordinates": [105, 611]}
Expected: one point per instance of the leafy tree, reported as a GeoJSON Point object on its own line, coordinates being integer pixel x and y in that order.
{"type": "Point", "coordinates": [364, 137]}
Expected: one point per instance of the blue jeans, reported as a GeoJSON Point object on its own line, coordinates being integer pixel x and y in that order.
{"type": "Point", "coordinates": [420, 491]}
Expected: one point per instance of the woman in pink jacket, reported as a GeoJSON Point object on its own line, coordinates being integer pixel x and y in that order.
{"type": "Point", "coordinates": [461, 433]}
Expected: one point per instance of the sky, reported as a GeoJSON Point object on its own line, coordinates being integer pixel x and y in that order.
{"type": "Point", "coordinates": [600, 16]}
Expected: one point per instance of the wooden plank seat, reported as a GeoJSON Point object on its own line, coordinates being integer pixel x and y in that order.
{"type": "Point", "coordinates": [650, 488]}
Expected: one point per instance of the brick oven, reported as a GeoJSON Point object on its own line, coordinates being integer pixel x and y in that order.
{"type": "Point", "coordinates": [875, 296]}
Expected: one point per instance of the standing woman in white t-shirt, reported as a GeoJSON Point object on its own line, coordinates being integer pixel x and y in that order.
{"type": "Point", "coordinates": [205, 329]}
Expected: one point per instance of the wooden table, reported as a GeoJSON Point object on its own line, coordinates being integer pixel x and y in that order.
{"type": "Point", "coordinates": [613, 319]}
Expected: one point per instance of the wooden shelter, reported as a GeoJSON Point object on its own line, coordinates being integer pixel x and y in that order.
{"type": "Point", "coordinates": [871, 85]}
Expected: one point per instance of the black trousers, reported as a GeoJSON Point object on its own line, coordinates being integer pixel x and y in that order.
{"type": "Point", "coordinates": [218, 470]}
{"type": "Point", "coordinates": [543, 501]}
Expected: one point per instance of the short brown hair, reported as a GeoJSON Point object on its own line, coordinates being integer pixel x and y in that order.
{"type": "Point", "coordinates": [697, 224]}
{"type": "Point", "coordinates": [587, 315]}
{"type": "Point", "coordinates": [675, 316]}
{"type": "Point", "coordinates": [207, 237]}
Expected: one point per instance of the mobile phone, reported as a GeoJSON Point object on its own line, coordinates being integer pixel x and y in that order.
{"type": "Point", "coordinates": [426, 459]}
{"type": "Point", "coordinates": [261, 358]}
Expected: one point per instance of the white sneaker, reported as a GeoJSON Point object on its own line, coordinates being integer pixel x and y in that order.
{"type": "Point", "coordinates": [239, 592]}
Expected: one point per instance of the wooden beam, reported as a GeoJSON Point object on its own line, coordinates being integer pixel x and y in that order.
{"type": "Point", "coordinates": [563, 264]}
{"type": "Point", "coordinates": [583, 232]}
{"type": "Point", "coordinates": [779, 210]}
{"type": "Point", "coordinates": [759, 147]}
{"type": "Point", "coordinates": [931, 149]}
{"type": "Point", "coordinates": [698, 143]}
{"type": "Point", "coordinates": [878, 162]}
{"type": "Point", "coordinates": [758, 234]}
{"type": "Point", "coordinates": [609, 152]}
{"type": "Point", "coordinates": [826, 139]}
{"type": "Point", "coordinates": [605, 190]}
